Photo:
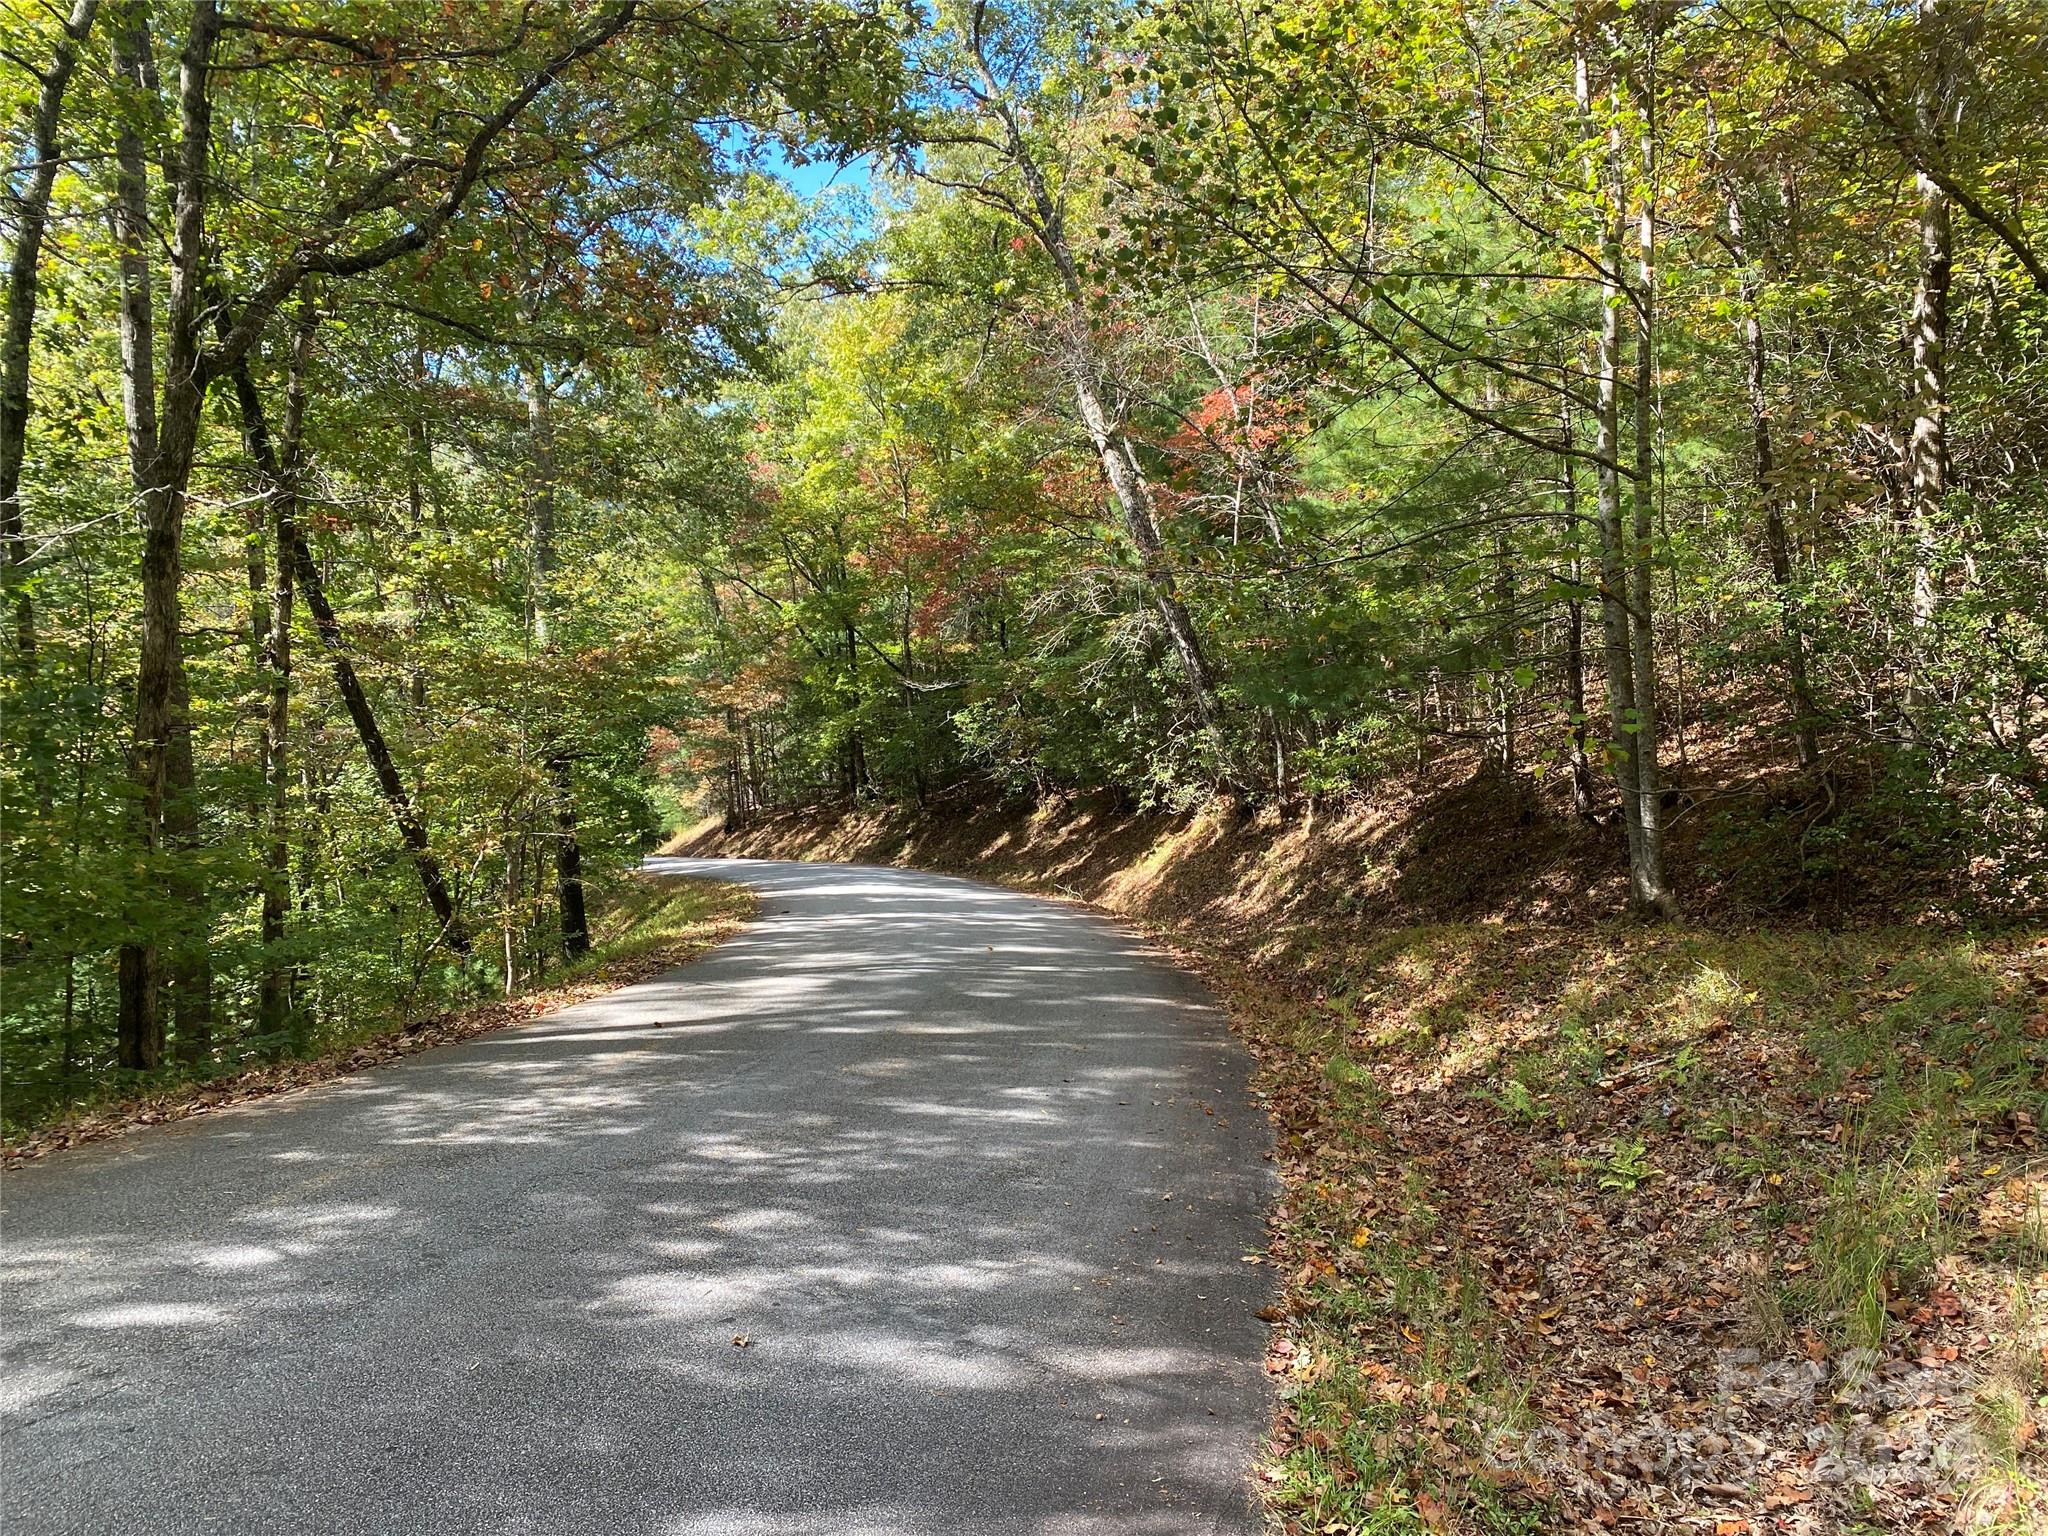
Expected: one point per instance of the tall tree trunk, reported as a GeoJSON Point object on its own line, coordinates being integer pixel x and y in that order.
{"type": "Point", "coordinates": [1627, 706]}
{"type": "Point", "coordinates": [1575, 638]}
{"type": "Point", "coordinates": [1502, 725]}
{"type": "Point", "coordinates": [1651, 891]}
{"type": "Point", "coordinates": [568, 861]}
{"type": "Point", "coordinates": [515, 886]}
{"type": "Point", "coordinates": [1777, 546]}
{"type": "Point", "coordinates": [851, 757]}
{"type": "Point", "coordinates": [540, 506]}
{"type": "Point", "coordinates": [411, 830]}
{"type": "Point", "coordinates": [1614, 633]}
{"type": "Point", "coordinates": [1106, 428]}
{"type": "Point", "coordinates": [738, 782]}
{"type": "Point", "coordinates": [419, 461]}
{"type": "Point", "coordinates": [280, 471]}
{"type": "Point", "coordinates": [1133, 493]}
{"type": "Point", "coordinates": [1927, 446]}
{"type": "Point", "coordinates": [31, 210]}
{"type": "Point", "coordinates": [540, 607]}
{"type": "Point", "coordinates": [274, 986]}
{"type": "Point", "coordinates": [305, 573]}
{"type": "Point", "coordinates": [188, 968]}
{"type": "Point", "coordinates": [163, 438]}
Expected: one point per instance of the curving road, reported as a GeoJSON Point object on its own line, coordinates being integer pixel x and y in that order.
{"type": "Point", "coordinates": [970, 1174]}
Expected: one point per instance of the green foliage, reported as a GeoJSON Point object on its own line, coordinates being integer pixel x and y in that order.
{"type": "Point", "coordinates": [638, 479]}
{"type": "Point", "coordinates": [502, 419]}
{"type": "Point", "coordinates": [1340, 268]}
{"type": "Point", "coordinates": [1627, 1168]}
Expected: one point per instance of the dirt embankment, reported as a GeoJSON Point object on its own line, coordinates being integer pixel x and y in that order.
{"type": "Point", "coordinates": [1463, 853]}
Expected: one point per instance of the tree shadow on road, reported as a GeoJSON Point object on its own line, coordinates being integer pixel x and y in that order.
{"type": "Point", "coordinates": [920, 1207]}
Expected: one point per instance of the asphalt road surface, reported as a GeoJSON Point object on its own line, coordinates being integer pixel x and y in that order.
{"type": "Point", "coordinates": [970, 1174]}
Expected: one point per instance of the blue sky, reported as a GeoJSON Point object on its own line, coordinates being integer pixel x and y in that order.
{"type": "Point", "coordinates": [765, 151]}
{"type": "Point", "coordinates": [810, 180]}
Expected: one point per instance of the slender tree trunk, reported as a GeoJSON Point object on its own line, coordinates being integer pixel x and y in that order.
{"type": "Point", "coordinates": [411, 830]}
{"type": "Point", "coordinates": [31, 212]}
{"type": "Point", "coordinates": [1652, 892]}
{"type": "Point", "coordinates": [163, 439]}
{"type": "Point", "coordinates": [735, 791]}
{"type": "Point", "coordinates": [1575, 641]}
{"type": "Point", "coordinates": [257, 574]}
{"type": "Point", "coordinates": [540, 507]}
{"type": "Point", "coordinates": [67, 1062]}
{"type": "Point", "coordinates": [139, 1026]}
{"type": "Point", "coordinates": [568, 862]}
{"type": "Point", "coordinates": [280, 471]}
{"type": "Point", "coordinates": [1503, 701]}
{"type": "Point", "coordinates": [1777, 545]}
{"type": "Point", "coordinates": [760, 761]}
{"type": "Point", "coordinates": [1575, 706]}
{"type": "Point", "coordinates": [1927, 446]}
{"type": "Point", "coordinates": [515, 889]}
{"type": "Point", "coordinates": [419, 461]}
{"type": "Point", "coordinates": [1106, 429]}
{"type": "Point", "coordinates": [1621, 704]}
{"type": "Point", "coordinates": [1133, 493]}
{"type": "Point", "coordinates": [575, 920]}
{"type": "Point", "coordinates": [1628, 712]}
{"type": "Point", "coordinates": [274, 986]}
{"type": "Point", "coordinates": [851, 756]}
{"type": "Point", "coordinates": [737, 775]}
{"type": "Point", "coordinates": [188, 969]}
{"type": "Point", "coordinates": [1614, 629]}
{"type": "Point", "coordinates": [188, 972]}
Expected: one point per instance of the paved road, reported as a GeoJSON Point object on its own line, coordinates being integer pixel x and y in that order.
{"type": "Point", "coordinates": [971, 1173]}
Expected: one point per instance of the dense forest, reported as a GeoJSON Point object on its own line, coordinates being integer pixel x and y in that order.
{"type": "Point", "coordinates": [440, 447]}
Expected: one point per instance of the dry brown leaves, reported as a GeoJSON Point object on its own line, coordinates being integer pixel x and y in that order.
{"type": "Point", "coordinates": [1668, 1392]}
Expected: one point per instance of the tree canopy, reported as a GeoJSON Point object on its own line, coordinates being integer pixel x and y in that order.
{"type": "Point", "coordinates": [440, 444]}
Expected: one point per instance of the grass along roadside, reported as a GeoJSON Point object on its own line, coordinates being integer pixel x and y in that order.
{"type": "Point", "coordinates": [643, 926]}
{"type": "Point", "coordinates": [1622, 1228]}
{"type": "Point", "coordinates": [1594, 1226]}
